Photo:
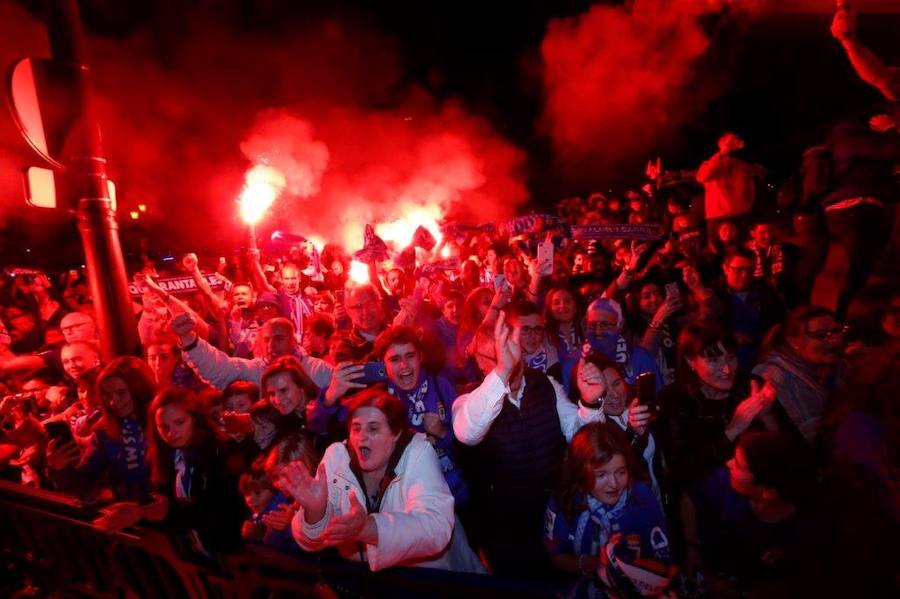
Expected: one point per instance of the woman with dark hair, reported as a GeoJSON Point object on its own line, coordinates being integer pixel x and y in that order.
{"type": "Point", "coordinates": [562, 320]}
{"type": "Point", "coordinates": [474, 311]}
{"type": "Point", "coordinates": [702, 416]}
{"type": "Point", "coordinates": [776, 520]}
{"type": "Point", "coordinates": [380, 496]}
{"type": "Point", "coordinates": [115, 456]}
{"type": "Point", "coordinates": [469, 275]}
{"type": "Point", "coordinates": [481, 305]}
{"type": "Point", "coordinates": [758, 526]}
{"type": "Point", "coordinates": [199, 496]}
{"type": "Point", "coordinates": [597, 505]}
{"type": "Point", "coordinates": [650, 318]}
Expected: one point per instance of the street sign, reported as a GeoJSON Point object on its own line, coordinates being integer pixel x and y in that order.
{"type": "Point", "coordinates": [46, 105]}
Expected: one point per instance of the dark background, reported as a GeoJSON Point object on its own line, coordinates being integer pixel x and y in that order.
{"type": "Point", "coordinates": [788, 83]}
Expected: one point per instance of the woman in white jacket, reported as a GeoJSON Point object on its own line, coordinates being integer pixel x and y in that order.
{"type": "Point", "coordinates": [380, 497]}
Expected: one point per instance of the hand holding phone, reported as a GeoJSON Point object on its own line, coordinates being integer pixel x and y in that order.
{"type": "Point", "coordinates": [644, 407]}
{"type": "Point", "coordinates": [58, 429]}
{"type": "Point", "coordinates": [545, 258]}
{"type": "Point", "coordinates": [646, 391]}
{"type": "Point", "coordinates": [373, 372]}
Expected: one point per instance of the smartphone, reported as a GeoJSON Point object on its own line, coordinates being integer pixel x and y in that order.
{"type": "Point", "coordinates": [373, 372]}
{"type": "Point", "coordinates": [499, 283]}
{"type": "Point", "coordinates": [646, 391]}
{"type": "Point", "coordinates": [545, 258]}
{"type": "Point", "coordinates": [57, 429]}
{"type": "Point", "coordinates": [672, 290]}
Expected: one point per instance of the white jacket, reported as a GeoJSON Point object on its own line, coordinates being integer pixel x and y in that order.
{"type": "Point", "coordinates": [416, 518]}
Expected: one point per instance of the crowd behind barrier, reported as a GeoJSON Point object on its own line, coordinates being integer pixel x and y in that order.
{"type": "Point", "coordinates": [684, 390]}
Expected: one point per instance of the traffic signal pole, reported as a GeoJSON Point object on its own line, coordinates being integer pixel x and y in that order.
{"type": "Point", "coordinates": [86, 171]}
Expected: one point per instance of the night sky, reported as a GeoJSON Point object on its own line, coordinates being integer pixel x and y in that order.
{"type": "Point", "coordinates": [779, 80]}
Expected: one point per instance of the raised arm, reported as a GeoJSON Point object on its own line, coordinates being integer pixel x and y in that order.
{"type": "Point", "coordinates": [192, 265]}
{"type": "Point", "coordinates": [867, 65]}
{"type": "Point", "coordinates": [259, 277]}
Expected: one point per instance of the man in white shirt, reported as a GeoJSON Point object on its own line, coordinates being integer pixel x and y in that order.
{"type": "Point", "coordinates": [520, 421]}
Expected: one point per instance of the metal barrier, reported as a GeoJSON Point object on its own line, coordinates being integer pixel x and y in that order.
{"type": "Point", "coordinates": [48, 544]}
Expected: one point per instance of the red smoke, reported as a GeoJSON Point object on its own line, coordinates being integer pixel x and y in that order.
{"type": "Point", "coordinates": [385, 164]}
{"type": "Point", "coordinates": [182, 127]}
{"type": "Point", "coordinates": [616, 79]}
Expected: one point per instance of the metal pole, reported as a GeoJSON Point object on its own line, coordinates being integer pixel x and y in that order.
{"type": "Point", "coordinates": [86, 168]}
{"type": "Point", "coordinates": [254, 244]}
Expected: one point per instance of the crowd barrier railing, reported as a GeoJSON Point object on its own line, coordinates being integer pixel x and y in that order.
{"type": "Point", "coordinates": [48, 545]}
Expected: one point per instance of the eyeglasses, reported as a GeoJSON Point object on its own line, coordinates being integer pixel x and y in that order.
{"type": "Point", "coordinates": [741, 270]}
{"type": "Point", "coordinates": [532, 330]}
{"type": "Point", "coordinates": [826, 334]}
{"type": "Point", "coordinates": [486, 356]}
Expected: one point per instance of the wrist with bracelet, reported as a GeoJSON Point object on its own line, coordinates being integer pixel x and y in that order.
{"type": "Point", "coordinates": [592, 405]}
{"type": "Point", "coordinates": [192, 344]}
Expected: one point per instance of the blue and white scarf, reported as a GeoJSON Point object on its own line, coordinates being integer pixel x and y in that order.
{"type": "Point", "coordinates": [614, 346]}
{"type": "Point", "coordinates": [605, 517]}
{"type": "Point", "coordinates": [133, 444]}
{"type": "Point", "coordinates": [538, 360]}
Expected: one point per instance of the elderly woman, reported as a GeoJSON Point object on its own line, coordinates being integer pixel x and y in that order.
{"type": "Point", "coordinates": [805, 364]}
{"type": "Point", "coordinates": [380, 497]}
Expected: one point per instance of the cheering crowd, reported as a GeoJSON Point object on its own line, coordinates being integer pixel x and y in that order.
{"type": "Point", "coordinates": [642, 411]}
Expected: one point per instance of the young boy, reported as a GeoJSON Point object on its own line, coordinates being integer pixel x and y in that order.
{"type": "Point", "coordinates": [270, 512]}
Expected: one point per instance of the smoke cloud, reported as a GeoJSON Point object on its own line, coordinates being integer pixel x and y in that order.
{"type": "Point", "coordinates": [419, 160]}
{"type": "Point", "coordinates": [324, 101]}
{"type": "Point", "coordinates": [618, 80]}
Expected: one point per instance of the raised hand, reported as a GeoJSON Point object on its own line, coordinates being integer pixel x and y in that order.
{"type": "Point", "coordinates": [190, 262]}
{"type": "Point", "coordinates": [311, 492]}
{"type": "Point", "coordinates": [183, 326]}
{"type": "Point", "coordinates": [760, 399]}
{"type": "Point", "coordinates": [590, 374]}
{"type": "Point", "coordinates": [343, 379]}
{"type": "Point", "coordinates": [669, 307]}
{"type": "Point", "coordinates": [637, 252]}
{"type": "Point", "coordinates": [508, 347]}
{"type": "Point", "coordinates": [61, 454]}
{"type": "Point", "coordinates": [843, 26]}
